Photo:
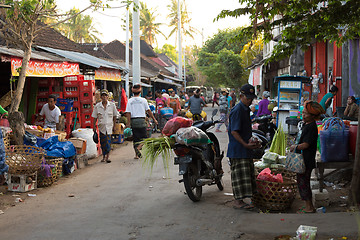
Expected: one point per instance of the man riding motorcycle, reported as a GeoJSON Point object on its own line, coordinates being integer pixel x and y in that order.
{"type": "Point", "coordinates": [196, 103]}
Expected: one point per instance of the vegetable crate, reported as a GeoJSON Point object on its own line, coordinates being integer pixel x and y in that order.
{"type": "Point", "coordinates": [22, 182]}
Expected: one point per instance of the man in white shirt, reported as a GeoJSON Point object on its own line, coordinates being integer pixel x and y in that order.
{"type": "Point", "coordinates": [135, 112]}
{"type": "Point", "coordinates": [51, 113]}
{"type": "Point", "coordinates": [105, 114]}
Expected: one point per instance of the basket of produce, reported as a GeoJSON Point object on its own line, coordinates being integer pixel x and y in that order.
{"type": "Point", "coordinates": [24, 159]}
{"type": "Point", "coordinates": [49, 172]}
{"type": "Point", "coordinates": [276, 170]}
{"type": "Point", "coordinates": [275, 196]}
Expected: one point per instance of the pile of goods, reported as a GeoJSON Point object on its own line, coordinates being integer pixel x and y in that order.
{"type": "Point", "coordinates": [177, 130]}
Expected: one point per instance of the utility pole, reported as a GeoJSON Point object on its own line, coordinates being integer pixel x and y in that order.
{"type": "Point", "coordinates": [127, 56]}
{"type": "Point", "coordinates": [136, 44]}
{"type": "Point", "coordinates": [184, 71]}
{"type": "Point", "coordinates": [179, 37]}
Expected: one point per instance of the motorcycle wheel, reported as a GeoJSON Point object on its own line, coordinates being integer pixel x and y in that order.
{"type": "Point", "coordinates": [194, 192]}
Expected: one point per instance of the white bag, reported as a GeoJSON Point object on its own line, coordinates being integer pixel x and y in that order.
{"type": "Point", "coordinates": [87, 134]}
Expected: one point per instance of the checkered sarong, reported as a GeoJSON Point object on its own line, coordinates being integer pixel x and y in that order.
{"type": "Point", "coordinates": [242, 178]}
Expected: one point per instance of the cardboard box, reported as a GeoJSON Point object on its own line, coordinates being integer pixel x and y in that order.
{"type": "Point", "coordinates": [35, 132]}
{"type": "Point", "coordinates": [79, 144]}
{"type": "Point", "coordinates": [119, 128]}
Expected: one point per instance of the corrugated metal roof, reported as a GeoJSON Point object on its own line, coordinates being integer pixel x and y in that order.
{"type": "Point", "coordinates": [34, 55]}
{"type": "Point", "coordinates": [84, 58]}
{"type": "Point", "coordinates": [166, 82]}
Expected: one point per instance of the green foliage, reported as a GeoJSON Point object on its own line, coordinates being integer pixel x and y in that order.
{"type": "Point", "coordinates": [168, 50]}
{"type": "Point", "coordinates": [303, 21]}
{"type": "Point", "coordinates": [220, 59]}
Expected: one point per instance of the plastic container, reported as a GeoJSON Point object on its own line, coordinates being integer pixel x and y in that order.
{"type": "Point", "coordinates": [117, 138]}
{"type": "Point", "coordinates": [352, 138]}
{"type": "Point", "coordinates": [166, 111]}
{"type": "Point", "coordinates": [334, 145]}
{"type": "Point", "coordinates": [65, 105]}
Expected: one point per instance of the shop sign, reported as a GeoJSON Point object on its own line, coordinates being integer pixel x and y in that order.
{"type": "Point", "coordinates": [108, 74]}
{"type": "Point", "coordinates": [290, 84]}
{"type": "Point", "coordinates": [45, 69]}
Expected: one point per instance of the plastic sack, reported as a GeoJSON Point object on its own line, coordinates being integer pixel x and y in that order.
{"type": "Point", "coordinates": [306, 233]}
{"type": "Point", "coordinates": [266, 175]}
{"type": "Point", "coordinates": [191, 136]}
{"type": "Point", "coordinates": [30, 139]}
{"type": "Point", "coordinates": [54, 148]}
{"type": "Point", "coordinates": [270, 157]}
{"type": "Point", "coordinates": [174, 124]}
{"type": "Point", "coordinates": [166, 111]}
{"type": "Point", "coordinates": [87, 134]}
{"type": "Point", "coordinates": [261, 164]}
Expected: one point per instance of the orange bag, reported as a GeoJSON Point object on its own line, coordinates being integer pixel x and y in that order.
{"type": "Point", "coordinates": [174, 124]}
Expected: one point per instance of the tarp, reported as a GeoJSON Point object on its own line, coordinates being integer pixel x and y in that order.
{"type": "Point", "coordinates": [55, 148]}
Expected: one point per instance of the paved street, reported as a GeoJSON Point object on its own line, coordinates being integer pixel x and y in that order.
{"type": "Point", "coordinates": [122, 200]}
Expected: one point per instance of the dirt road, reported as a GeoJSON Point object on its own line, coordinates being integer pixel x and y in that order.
{"type": "Point", "coordinates": [121, 200]}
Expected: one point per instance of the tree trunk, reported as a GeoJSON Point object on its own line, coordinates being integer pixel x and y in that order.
{"type": "Point", "coordinates": [17, 120]}
{"type": "Point", "coordinates": [21, 82]}
{"type": "Point", "coordinates": [355, 182]}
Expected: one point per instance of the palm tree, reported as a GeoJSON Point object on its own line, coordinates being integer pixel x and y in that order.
{"type": "Point", "coordinates": [80, 28]}
{"type": "Point", "coordinates": [148, 25]}
{"type": "Point", "coordinates": [185, 20]}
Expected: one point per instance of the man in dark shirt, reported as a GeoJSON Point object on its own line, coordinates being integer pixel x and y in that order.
{"type": "Point", "coordinates": [233, 98]}
{"type": "Point", "coordinates": [196, 103]}
{"type": "Point", "coordinates": [239, 149]}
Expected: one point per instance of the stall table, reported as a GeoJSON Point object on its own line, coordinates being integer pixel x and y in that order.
{"type": "Point", "coordinates": [321, 166]}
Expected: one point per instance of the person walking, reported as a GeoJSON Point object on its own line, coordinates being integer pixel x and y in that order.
{"type": "Point", "coordinates": [240, 149]}
{"type": "Point", "coordinates": [307, 145]}
{"type": "Point", "coordinates": [224, 109]}
{"type": "Point", "coordinates": [215, 99]}
{"type": "Point", "coordinates": [233, 98]}
{"type": "Point", "coordinates": [174, 102]}
{"type": "Point", "coordinates": [105, 114]}
{"type": "Point", "coordinates": [263, 105]}
{"type": "Point", "coordinates": [135, 112]}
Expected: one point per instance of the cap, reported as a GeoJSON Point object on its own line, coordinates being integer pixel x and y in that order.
{"type": "Point", "coordinates": [104, 91]}
{"type": "Point", "coordinates": [164, 91]}
{"type": "Point", "coordinates": [170, 90]}
{"type": "Point", "coordinates": [248, 90]}
{"type": "Point", "coordinates": [136, 88]}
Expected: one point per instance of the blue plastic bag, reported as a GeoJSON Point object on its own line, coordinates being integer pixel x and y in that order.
{"type": "Point", "coordinates": [55, 148]}
{"type": "Point", "coordinates": [3, 167]}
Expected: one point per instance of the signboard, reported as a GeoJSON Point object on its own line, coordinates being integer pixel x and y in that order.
{"type": "Point", "coordinates": [108, 74]}
{"type": "Point", "coordinates": [38, 68]}
{"type": "Point", "coordinates": [290, 84]}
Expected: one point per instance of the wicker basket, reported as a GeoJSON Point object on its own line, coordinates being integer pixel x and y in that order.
{"type": "Point", "coordinates": [6, 138]}
{"type": "Point", "coordinates": [23, 159]}
{"type": "Point", "coordinates": [43, 180]}
{"type": "Point", "coordinates": [275, 196]}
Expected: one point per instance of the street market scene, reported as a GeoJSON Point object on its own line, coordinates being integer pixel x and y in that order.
{"type": "Point", "coordinates": [156, 120]}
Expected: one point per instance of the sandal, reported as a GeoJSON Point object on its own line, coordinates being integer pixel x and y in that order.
{"type": "Point", "coordinates": [103, 160]}
{"type": "Point", "coordinates": [244, 206]}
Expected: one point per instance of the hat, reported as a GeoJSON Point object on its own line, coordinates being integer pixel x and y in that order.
{"type": "Point", "coordinates": [136, 88]}
{"type": "Point", "coordinates": [164, 91]}
{"type": "Point", "coordinates": [224, 90]}
{"type": "Point", "coordinates": [248, 90]}
{"type": "Point", "coordinates": [104, 91]}
{"type": "Point", "coordinates": [170, 90]}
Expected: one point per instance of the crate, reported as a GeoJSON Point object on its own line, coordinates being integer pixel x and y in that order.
{"type": "Point", "coordinates": [65, 105]}
{"type": "Point", "coordinates": [86, 119]}
{"type": "Point", "coordinates": [71, 81]}
{"type": "Point", "coordinates": [46, 82]}
{"type": "Point", "coordinates": [22, 182]}
{"type": "Point", "coordinates": [87, 96]}
{"type": "Point", "coordinates": [117, 138]}
{"type": "Point", "coordinates": [43, 92]}
{"type": "Point", "coordinates": [70, 92]}
{"type": "Point", "coordinates": [87, 86]}
{"type": "Point", "coordinates": [58, 94]}
{"type": "Point", "coordinates": [86, 107]}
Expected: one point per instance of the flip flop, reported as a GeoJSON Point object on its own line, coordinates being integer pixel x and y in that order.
{"type": "Point", "coordinates": [302, 211]}
{"type": "Point", "coordinates": [102, 160]}
{"type": "Point", "coordinates": [245, 207]}
{"type": "Point", "coordinates": [108, 161]}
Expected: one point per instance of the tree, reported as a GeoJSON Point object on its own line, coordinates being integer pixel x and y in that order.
{"type": "Point", "coordinates": [148, 25]}
{"type": "Point", "coordinates": [168, 50]}
{"type": "Point", "coordinates": [80, 28]}
{"type": "Point", "coordinates": [220, 60]}
{"type": "Point", "coordinates": [18, 26]}
{"type": "Point", "coordinates": [250, 51]}
{"type": "Point", "coordinates": [192, 69]}
{"type": "Point", "coordinates": [185, 26]}
{"type": "Point", "coordinates": [302, 21]}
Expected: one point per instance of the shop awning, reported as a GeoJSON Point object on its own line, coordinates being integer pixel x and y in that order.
{"type": "Point", "coordinates": [170, 78]}
{"type": "Point", "coordinates": [85, 58]}
{"type": "Point", "coordinates": [158, 80]}
{"type": "Point", "coordinates": [145, 85]}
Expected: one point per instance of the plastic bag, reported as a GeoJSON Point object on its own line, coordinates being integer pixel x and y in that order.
{"type": "Point", "coordinates": [306, 232]}
{"type": "Point", "coordinates": [270, 157]}
{"type": "Point", "coordinates": [266, 175]}
{"type": "Point", "coordinates": [174, 124]}
{"type": "Point", "coordinates": [30, 139]}
{"type": "Point", "coordinates": [191, 136]}
{"type": "Point", "coordinates": [54, 148]}
{"type": "Point", "coordinates": [87, 134]}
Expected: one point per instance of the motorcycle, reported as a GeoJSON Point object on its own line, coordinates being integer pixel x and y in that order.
{"type": "Point", "coordinates": [200, 165]}
{"type": "Point", "coordinates": [265, 132]}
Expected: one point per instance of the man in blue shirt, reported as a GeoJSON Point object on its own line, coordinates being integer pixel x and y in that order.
{"type": "Point", "coordinates": [240, 148]}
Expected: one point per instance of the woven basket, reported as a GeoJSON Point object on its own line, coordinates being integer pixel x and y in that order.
{"type": "Point", "coordinates": [275, 196]}
{"type": "Point", "coordinates": [6, 140]}
{"type": "Point", "coordinates": [43, 180]}
{"type": "Point", "coordinates": [23, 159]}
